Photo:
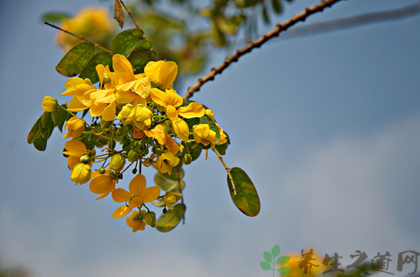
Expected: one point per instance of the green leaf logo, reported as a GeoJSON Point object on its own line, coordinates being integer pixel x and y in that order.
{"type": "Point", "coordinates": [269, 263]}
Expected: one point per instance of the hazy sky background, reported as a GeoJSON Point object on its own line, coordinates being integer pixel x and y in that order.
{"type": "Point", "coordinates": [326, 126]}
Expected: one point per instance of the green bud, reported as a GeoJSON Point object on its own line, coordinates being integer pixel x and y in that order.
{"type": "Point", "coordinates": [117, 162]}
{"type": "Point", "coordinates": [84, 159]}
{"type": "Point", "coordinates": [111, 144]}
{"type": "Point", "coordinates": [133, 155]}
{"type": "Point", "coordinates": [92, 153]}
{"type": "Point", "coordinates": [150, 219]}
{"type": "Point", "coordinates": [164, 210]}
{"type": "Point", "coordinates": [88, 82]}
{"type": "Point", "coordinates": [137, 143]}
{"type": "Point", "coordinates": [186, 159]}
{"type": "Point", "coordinates": [111, 173]}
{"type": "Point", "coordinates": [181, 149]}
{"type": "Point", "coordinates": [157, 150]}
{"type": "Point", "coordinates": [101, 170]}
{"type": "Point", "coordinates": [134, 171]}
{"type": "Point", "coordinates": [168, 127]}
{"type": "Point", "coordinates": [107, 78]}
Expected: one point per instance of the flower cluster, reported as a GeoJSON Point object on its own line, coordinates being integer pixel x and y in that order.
{"type": "Point", "coordinates": [137, 120]}
{"type": "Point", "coordinates": [92, 22]}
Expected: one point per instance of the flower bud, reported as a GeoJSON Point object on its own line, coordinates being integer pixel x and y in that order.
{"type": "Point", "coordinates": [171, 198]}
{"type": "Point", "coordinates": [168, 127]}
{"type": "Point", "coordinates": [107, 78]}
{"type": "Point", "coordinates": [187, 159]}
{"type": "Point", "coordinates": [76, 127]}
{"type": "Point", "coordinates": [117, 162]}
{"type": "Point", "coordinates": [49, 104]}
{"type": "Point", "coordinates": [133, 155]}
{"type": "Point", "coordinates": [150, 219]}
{"type": "Point", "coordinates": [101, 170]}
{"type": "Point", "coordinates": [88, 81]}
{"type": "Point", "coordinates": [81, 173]}
{"type": "Point", "coordinates": [84, 159]}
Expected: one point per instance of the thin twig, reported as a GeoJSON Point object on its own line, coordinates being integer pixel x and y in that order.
{"type": "Point", "coordinates": [257, 43]}
{"type": "Point", "coordinates": [227, 170]}
{"type": "Point", "coordinates": [132, 19]}
{"type": "Point", "coordinates": [82, 38]}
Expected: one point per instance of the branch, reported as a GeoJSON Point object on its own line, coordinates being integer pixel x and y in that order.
{"type": "Point", "coordinates": [82, 38]}
{"type": "Point", "coordinates": [353, 21]}
{"type": "Point", "coordinates": [257, 43]}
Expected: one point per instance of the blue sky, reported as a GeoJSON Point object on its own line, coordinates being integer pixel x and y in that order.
{"type": "Point", "coordinates": [327, 127]}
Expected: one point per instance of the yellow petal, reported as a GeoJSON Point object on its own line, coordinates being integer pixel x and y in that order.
{"type": "Point", "coordinates": [121, 65]}
{"type": "Point", "coordinates": [124, 97]}
{"type": "Point", "coordinates": [109, 112]}
{"type": "Point", "coordinates": [181, 129]}
{"type": "Point", "coordinates": [136, 202]}
{"type": "Point", "coordinates": [100, 69]}
{"type": "Point", "coordinates": [194, 109]}
{"type": "Point", "coordinates": [171, 144]}
{"type": "Point", "coordinates": [97, 109]}
{"type": "Point", "coordinates": [121, 212]}
{"type": "Point", "coordinates": [121, 195]}
{"type": "Point", "coordinates": [75, 105]}
{"type": "Point", "coordinates": [72, 161]}
{"type": "Point", "coordinates": [103, 184]}
{"type": "Point", "coordinates": [137, 185]}
{"type": "Point", "coordinates": [151, 194]}
{"type": "Point", "coordinates": [172, 112]}
{"type": "Point", "coordinates": [159, 97]}
{"type": "Point", "coordinates": [74, 148]}
{"type": "Point", "coordinates": [173, 98]}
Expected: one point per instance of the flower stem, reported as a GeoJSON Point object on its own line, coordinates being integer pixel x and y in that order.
{"type": "Point", "coordinates": [227, 170]}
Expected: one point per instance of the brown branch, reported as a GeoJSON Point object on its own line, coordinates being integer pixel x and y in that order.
{"type": "Point", "coordinates": [353, 21]}
{"type": "Point", "coordinates": [257, 43]}
{"type": "Point", "coordinates": [82, 38]}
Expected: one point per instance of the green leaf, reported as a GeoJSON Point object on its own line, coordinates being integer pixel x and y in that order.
{"type": "Point", "coordinates": [54, 17]}
{"type": "Point", "coordinates": [268, 257]}
{"type": "Point", "coordinates": [140, 58]}
{"type": "Point", "coordinates": [40, 143]}
{"type": "Point", "coordinates": [59, 117]}
{"type": "Point", "coordinates": [265, 265]}
{"type": "Point", "coordinates": [275, 251]}
{"type": "Point", "coordinates": [124, 42]}
{"type": "Point", "coordinates": [143, 45]}
{"type": "Point", "coordinates": [76, 59]}
{"type": "Point", "coordinates": [265, 15]}
{"type": "Point", "coordinates": [46, 126]}
{"type": "Point", "coordinates": [207, 120]}
{"type": "Point", "coordinates": [168, 221]}
{"type": "Point", "coordinates": [195, 153]}
{"type": "Point", "coordinates": [90, 70]}
{"type": "Point", "coordinates": [284, 271]}
{"type": "Point", "coordinates": [34, 131]}
{"type": "Point", "coordinates": [283, 260]}
{"type": "Point", "coordinates": [246, 200]}
{"type": "Point", "coordinates": [222, 147]}
{"type": "Point", "coordinates": [167, 184]}
{"type": "Point", "coordinates": [276, 6]}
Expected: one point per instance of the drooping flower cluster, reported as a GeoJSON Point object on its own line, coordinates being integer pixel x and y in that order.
{"type": "Point", "coordinates": [137, 118]}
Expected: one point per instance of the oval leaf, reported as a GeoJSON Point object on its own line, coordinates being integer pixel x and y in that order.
{"type": "Point", "coordinates": [265, 265]}
{"type": "Point", "coordinates": [168, 184]}
{"type": "Point", "coordinates": [140, 58]}
{"type": "Point", "coordinates": [284, 271]}
{"type": "Point", "coordinates": [275, 251]}
{"type": "Point", "coordinates": [195, 153]}
{"type": "Point", "coordinates": [268, 257]}
{"type": "Point", "coordinates": [46, 126]}
{"type": "Point", "coordinates": [59, 116]}
{"type": "Point", "coordinates": [76, 59]}
{"type": "Point", "coordinates": [124, 42]}
{"type": "Point", "coordinates": [168, 221]}
{"type": "Point", "coordinates": [34, 131]}
{"type": "Point", "coordinates": [90, 69]}
{"type": "Point", "coordinates": [276, 6]}
{"type": "Point", "coordinates": [246, 200]}
{"type": "Point", "coordinates": [283, 260]}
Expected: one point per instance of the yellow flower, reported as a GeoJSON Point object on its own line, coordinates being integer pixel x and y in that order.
{"type": "Point", "coordinates": [137, 196]}
{"type": "Point", "coordinates": [223, 136]}
{"type": "Point", "coordinates": [164, 139]}
{"type": "Point", "coordinates": [203, 134]}
{"type": "Point", "coordinates": [309, 261]}
{"type": "Point", "coordinates": [81, 173]}
{"type": "Point", "coordinates": [103, 184]}
{"type": "Point", "coordinates": [171, 100]}
{"type": "Point", "coordinates": [49, 104]}
{"type": "Point", "coordinates": [161, 73]}
{"type": "Point", "coordinates": [92, 23]}
{"type": "Point", "coordinates": [131, 88]}
{"type": "Point", "coordinates": [166, 161]}
{"type": "Point", "coordinates": [74, 149]}
{"type": "Point", "coordinates": [171, 198]}
{"type": "Point", "coordinates": [75, 126]}
{"type": "Point", "coordinates": [135, 221]}
{"type": "Point", "coordinates": [77, 87]}
{"type": "Point", "coordinates": [140, 116]}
